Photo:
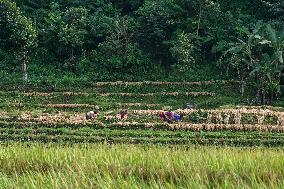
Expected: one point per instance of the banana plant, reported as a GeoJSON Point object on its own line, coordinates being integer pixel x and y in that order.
{"type": "Point", "coordinates": [259, 59]}
{"type": "Point", "coordinates": [267, 82]}
{"type": "Point", "coordinates": [241, 56]}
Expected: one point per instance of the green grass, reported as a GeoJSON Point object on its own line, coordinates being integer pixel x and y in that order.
{"type": "Point", "coordinates": [136, 166]}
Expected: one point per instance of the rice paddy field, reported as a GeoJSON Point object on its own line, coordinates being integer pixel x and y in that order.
{"type": "Point", "coordinates": [46, 142]}
{"type": "Point", "coordinates": [139, 166]}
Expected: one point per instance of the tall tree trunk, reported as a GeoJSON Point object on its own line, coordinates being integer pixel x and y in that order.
{"type": "Point", "coordinates": [22, 58]}
{"type": "Point", "coordinates": [24, 71]}
{"type": "Point", "coordinates": [242, 86]}
{"type": "Point", "coordinates": [72, 66]}
{"type": "Point", "coordinates": [199, 19]}
{"type": "Point", "coordinates": [263, 97]}
{"type": "Point", "coordinates": [258, 100]}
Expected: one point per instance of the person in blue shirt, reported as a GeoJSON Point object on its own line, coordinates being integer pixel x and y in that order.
{"type": "Point", "coordinates": [178, 117]}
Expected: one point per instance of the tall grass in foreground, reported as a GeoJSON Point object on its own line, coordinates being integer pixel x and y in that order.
{"type": "Point", "coordinates": [129, 166]}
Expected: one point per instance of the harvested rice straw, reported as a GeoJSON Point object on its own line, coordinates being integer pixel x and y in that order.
{"type": "Point", "coordinates": [99, 84]}
{"type": "Point", "coordinates": [209, 118]}
{"type": "Point", "coordinates": [226, 119]}
{"type": "Point", "coordinates": [70, 106]}
{"type": "Point", "coordinates": [162, 93]}
{"type": "Point", "coordinates": [42, 94]}
{"type": "Point", "coordinates": [219, 118]}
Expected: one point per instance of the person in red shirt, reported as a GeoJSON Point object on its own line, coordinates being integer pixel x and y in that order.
{"type": "Point", "coordinates": [162, 116]}
{"type": "Point", "coordinates": [123, 112]}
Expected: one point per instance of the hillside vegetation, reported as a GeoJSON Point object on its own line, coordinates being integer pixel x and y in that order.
{"type": "Point", "coordinates": [66, 43]}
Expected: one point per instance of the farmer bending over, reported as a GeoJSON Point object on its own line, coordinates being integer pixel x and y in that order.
{"type": "Point", "coordinates": [92, 114]}
{"type": "Point", "coordinates": [162, 116]}
{"type": "Point", "coordinates": [169, 116]}
{"type": "Point", "coordinates": [178, 117]}
{"type": "Point", "coordinates": [123, 112]}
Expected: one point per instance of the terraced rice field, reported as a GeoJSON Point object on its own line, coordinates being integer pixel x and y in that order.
{"type": "Point", "coordinates": [58, 116]}
{"type": "Point", "coordinates": [46, 142]}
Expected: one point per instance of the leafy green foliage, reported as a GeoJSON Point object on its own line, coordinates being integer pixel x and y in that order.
{"type": "Point", "coordinates": [151, 39]}
{"type": "Point", "coordinates": [15, 28]}
{"type": "Point", "coordinates": [183, 51]}
{"type": "Point", "coordinates": [17, 32]}
{"type": "Point", "coordinates": [260, 58]}
{"type": "Point", "coordinates": [120, 53]}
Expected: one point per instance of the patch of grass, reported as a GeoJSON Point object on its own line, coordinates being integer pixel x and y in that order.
{"type": "Point", "coordinates": [120, 166]}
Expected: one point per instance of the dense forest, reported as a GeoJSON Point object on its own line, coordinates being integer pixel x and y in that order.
{"type": "Point", "coordinates": [107, 40]}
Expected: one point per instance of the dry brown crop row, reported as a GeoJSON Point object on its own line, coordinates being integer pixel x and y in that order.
{"type": "Point", "coordinates": [92, 106]}
{"type": "Point", "coordinates": [119, 83]}
{"type": "Point", "coordinates": [208, 127]}
{"type": "Point", "coordinates": [42, 94]}
{"type": "Point", "coordinates": [162, 93]}
{"type": "Point", "coordinates": [138, 105]}
{"type": "Point", "coordinates": [224, 115]}
{"type": "Point", "coordinates": [70, 106]}
{"type": "Point", "coordinates": [80, 119]}
{"type": "Point", "coordinates": [272, 108]}
{"type": "Point", "coordinates": [235, 127]}
{"type": "Point", "coordinates": [212, 117]}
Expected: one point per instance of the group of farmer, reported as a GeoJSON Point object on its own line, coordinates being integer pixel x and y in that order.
{"type": "Point", "coordinates": [170, 117]}
{"type": "Point", "coordinates": [166, 116]}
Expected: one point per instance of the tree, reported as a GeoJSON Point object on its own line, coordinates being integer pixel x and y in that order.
{"type": "Point", "coordinates": [119, 53]}
{"type": "Point", "coordinates": [73, 31]}
{"type": "Point", "coordinates": [127, 6]}
{"type": "Point", "coordinates": [156, 25]}
{"type": "Point", "coordinates": [100, 25]}
{"type": "Point", "coordinates": [260, 58]}
{"type": "Point", "coordinates": [18, 32]}
{"type": "Point", "coordinates": [276, 10]}
{"type": "Point", "coordinates": [160, 20]}
{"type": "Point", "coordinates": [183, 51]}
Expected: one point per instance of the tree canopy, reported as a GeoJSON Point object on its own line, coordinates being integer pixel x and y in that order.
{"type": "Point", "coordinates": [149, 39]}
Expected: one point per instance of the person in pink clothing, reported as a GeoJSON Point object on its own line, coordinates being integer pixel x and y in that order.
{"type": "Point", "coordinates": [169, 116]}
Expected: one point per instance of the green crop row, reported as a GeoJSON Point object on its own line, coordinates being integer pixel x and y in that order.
{"type": "Point", "coordinates": [148, 126]}
{"type": "Point", "coordinates": [20, 101]}
{"type": "Point", "coordinates": [70, 165]}
{"type": "Point", "coordinates": [87, 131]}
{"type": "Point", "coordinates": [88, 134]}
{"type": "Point", "coordinates": [133, 86]}
{"type": "Point", "coordinates": [168, 88]}
{"type": "Point", "coordinates": [141, 140]}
